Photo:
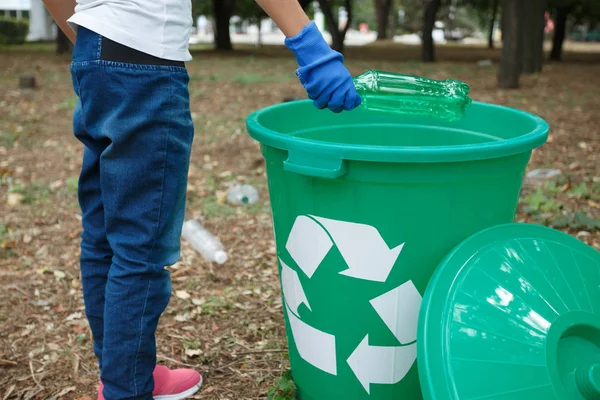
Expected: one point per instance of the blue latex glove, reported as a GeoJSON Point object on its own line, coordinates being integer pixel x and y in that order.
{"type": "Point", "coordinates": [322, 71]}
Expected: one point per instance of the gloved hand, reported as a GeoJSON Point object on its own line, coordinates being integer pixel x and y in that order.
{"type": "Point", "coordinates": [322, 71]}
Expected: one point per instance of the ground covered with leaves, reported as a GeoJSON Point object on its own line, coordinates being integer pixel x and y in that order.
{"type": "Point", "coordinates": [226, 321]}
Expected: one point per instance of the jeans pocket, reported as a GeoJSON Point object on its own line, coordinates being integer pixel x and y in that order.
{"type": "Point", "coordinates": [75, 80]}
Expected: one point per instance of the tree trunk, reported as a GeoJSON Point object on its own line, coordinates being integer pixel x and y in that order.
{"type": "Point", "coordinates": [222, 10]}
{"type": "Point", "coordinates": [63, 44]}
{"type": "Point", "coordinates": [428, 47]}
{"type": "Point", "coordinates": [493, 18]}
{"type": "Point", "coordinates": [533, 35]}
{"type": "Point", "coordinates": [512, 54]}
{"type": "Point", "coordinates": [304, 3]}
{"type": "Point", "coordinates": [338, 37]}
{"type": "Point", "coordinates": [560, 31]}
{"type": "Point", "coordinates": [540, 32]}
{"type": "Point", "coordinates": [393, 19]}
{"type": "Point", "coordinates": [259, 34]}
{"type": "Point", "coordinates": [382, 9]}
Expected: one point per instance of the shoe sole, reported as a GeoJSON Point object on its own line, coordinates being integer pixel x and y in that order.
{"type": "Point", "coordinates": [182, 395]}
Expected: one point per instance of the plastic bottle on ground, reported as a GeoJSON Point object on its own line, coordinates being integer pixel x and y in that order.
{"type": "Point", "coordinates": [204, 242]}
{"type": "Point", "coordinates": [242, 194]}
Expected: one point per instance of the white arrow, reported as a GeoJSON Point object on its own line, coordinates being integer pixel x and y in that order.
{"type": "Point", "coordinates": [314, 346]}
{"type": "Point", "coordinates": [308, 244]}
{"type": "Point", "coordinates": [292, 288]}
{"type": "Point", "coordinates": [399, 309]}
{"type": "Point", "coordinates": [367, 255]}
{"type": "Point", "coordinates": [381, 365]}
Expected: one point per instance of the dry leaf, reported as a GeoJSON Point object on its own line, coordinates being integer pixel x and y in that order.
{"type": "Point", "coordinates": [75, 315]}
{"type": "Point", "coordinates": [182, 317]}
{"type": "Point", "coordinates": [14, 199]}
{"type": "Point", "coordinates": [198, 302]}
{"type": "Point", "coordinates": [193, 352]}
{"type": "Point", "coordinates": [59, 275]}
{"type": "Point", "coordinates": [182, 294]}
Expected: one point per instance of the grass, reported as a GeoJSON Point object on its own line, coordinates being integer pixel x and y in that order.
{"type": "Point", "coordinates": [32, 194]}
{"type": "Point", "coordinates": [284, 388]}
{"type": "Point", "coordinates": [69, 104]}
{"type": "Point", "coordinates": [8, 139]}
{"type": "Point", "coordinates": [550, 205]}
{"type": "Point", "coordinates": [72, 183]}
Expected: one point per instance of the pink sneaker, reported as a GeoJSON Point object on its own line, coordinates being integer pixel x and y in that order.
{"type": "Point", "coordinates": [169, 384]}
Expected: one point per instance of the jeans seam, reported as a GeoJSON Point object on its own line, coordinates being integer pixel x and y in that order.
{"type": "Point", "coordinates": [137, 353]}
{"type": "Point", "coordinates": [164, 173]}
{"type": "Point", "coordinates": [130, 67]}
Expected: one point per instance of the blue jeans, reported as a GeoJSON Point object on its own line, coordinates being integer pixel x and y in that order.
{"type": "Point", "coordinates": [135, 123]}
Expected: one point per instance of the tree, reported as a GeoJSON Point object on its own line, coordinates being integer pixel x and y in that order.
{"type": "Point", "coordinates": [493, 17]}
{"type": "Point", "coordinates": [533, 35]}
{"type": "Point", "coordinates": [581, 11]}
{"type": "Point", "coordinates": [338, 34]}
{"type": "Point", "coordinates": [222, 11]}
{"type": "Point", "coordinates": [364, 12]}
{"type": "Point", "coordinates": [63, 44]}
{"type": "Point", "coordinates": [486, 12]}
{"type": "Point", "coordinates": [249, 10]}
{"type": "Point", "coordinates": [511, 60]}
{"type": "Point", "coordinates": [382, 9]}
{"type": "Point", "coordinates": [428, 48]}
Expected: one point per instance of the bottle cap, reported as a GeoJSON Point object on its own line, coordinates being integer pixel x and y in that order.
{"type": "Point", "coordinates": [220, 257]}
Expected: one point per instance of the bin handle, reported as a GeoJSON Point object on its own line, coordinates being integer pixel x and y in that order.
{"type": "Point", "coordinates": [315, 165]}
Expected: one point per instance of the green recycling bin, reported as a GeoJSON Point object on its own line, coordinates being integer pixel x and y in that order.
{"type": "Point", "coordinates": [365, 206]}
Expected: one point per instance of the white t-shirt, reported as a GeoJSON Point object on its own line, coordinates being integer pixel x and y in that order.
{"type": "Point", "coordinates": [160, 28]}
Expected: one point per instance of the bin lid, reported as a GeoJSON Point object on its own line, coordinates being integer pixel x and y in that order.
{"type": "Point", "coordinates": [513, 313]}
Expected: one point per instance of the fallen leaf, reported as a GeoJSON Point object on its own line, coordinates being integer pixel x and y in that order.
{"type": "Point", "coordinates": [74, 316]}
{"type": "Point", "coordinates": [53, 347]}
{"type": "Point", "coordinates": [55, 185]}
{"type": "Point", "coordinates": [575, 166]}
{"type": "Point", "coordinates": [193, 352]}
{"type": "Point", "coordinates": [198, 302]}
{"type": "Point", "coordinates": [182, 317]}
{"type": "Point", "coordinates": [14, 199]}
{"type": "Point", "coordinates": [182, 294]}
{"type": "Point", "coordinates": [59, 275]}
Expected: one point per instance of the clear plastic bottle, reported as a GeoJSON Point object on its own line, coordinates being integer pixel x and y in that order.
{"type": "Point", "coordinates": [242, 194]}
{"type": "Point", "coordinates": [204, 242]}
{"type": "Point", "coordinates": [413, 95]}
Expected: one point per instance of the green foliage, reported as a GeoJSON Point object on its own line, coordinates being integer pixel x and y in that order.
{"type": "Point", "coordinates": [201, 7]}
{"type": "Point", "coordinates": [248, 10]}
{"type": "Point", "coordinates": [3, 231]}
{"type": "Point", "coordinates": [72, 183]}
{"type": "Point", "coordinates": [582, 11]}
{"type": "Point", "coordinates": [578, 220]}
{"type": "Point", "coordinates": [13, 31]}
{"type": "Point", "coordinates": [541, 201]}
{"type": "Point", "coordinates": [32, 193]}
{"type": "Point", "coordinates": [284, 389]}
{"type": "Point", "coordinates": [364, 13]}
{"type": "Point", "coordinates": [545, 209]}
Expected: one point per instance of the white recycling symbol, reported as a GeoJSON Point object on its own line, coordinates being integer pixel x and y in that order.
{"type": "Point", "coordinates": [368, 257]}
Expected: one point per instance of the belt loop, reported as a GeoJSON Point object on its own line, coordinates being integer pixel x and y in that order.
{"type": "Point", "coordinates": [99, 49]}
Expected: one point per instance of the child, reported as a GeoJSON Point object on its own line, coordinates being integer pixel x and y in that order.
{"type": "Point", "coordinates": [133, 117]}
